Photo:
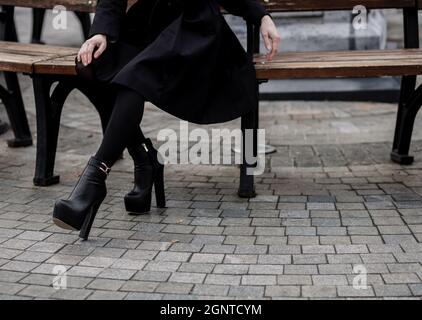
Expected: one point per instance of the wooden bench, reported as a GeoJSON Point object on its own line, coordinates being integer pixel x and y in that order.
{"type": "Point", "coordinates": [48, 65]}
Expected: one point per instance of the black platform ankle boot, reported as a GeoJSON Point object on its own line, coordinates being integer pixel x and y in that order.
{"type": "Point", "coordinates": [148, 172]}
{"type": "Point", "coordinates": [78, 212]}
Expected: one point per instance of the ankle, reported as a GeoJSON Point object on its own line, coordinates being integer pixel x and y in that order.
{"type": "Point", "coordinates": [100, 164]}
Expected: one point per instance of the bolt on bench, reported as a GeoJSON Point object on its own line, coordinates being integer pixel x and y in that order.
{"type": "Point", "coordinates": [48, 65]}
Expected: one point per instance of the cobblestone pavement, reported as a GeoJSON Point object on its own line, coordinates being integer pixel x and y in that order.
{"type": "Point", "coordinates": [329, 203]}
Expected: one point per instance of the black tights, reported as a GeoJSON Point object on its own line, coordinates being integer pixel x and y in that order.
{"type": "Point", "coordinates": [123, 129]}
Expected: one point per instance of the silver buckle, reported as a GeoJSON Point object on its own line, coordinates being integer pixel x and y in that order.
{"type": "Point", "coordinates": [104, 168]}
{"type": "Point", "coordinates": [145, 147]}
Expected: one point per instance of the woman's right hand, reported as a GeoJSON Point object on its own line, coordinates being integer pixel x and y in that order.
{"type": "Point", "coordinates": [97, 43]}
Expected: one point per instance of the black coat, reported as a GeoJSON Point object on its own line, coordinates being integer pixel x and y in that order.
{"type": "Point", "coordinates": [181, 55]}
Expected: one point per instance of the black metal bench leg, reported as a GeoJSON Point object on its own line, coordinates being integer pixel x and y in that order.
{"type": "Point", "coordinates": [405, 122]}
{"type": "Point", "coordinates": [13, 102]}
{"type": "Point", "coordinates": [38, 15]}
{"type": "Point", "coordinates": [85, 20]}
{"type": "Point", "coordinates": [48, 109]}
{"type": "Point", "coordinates": [3, 127]}
{"type": "Point", "coordinates": [246, 184]}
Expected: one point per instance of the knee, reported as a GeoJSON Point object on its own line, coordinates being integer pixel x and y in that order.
{"type": "Point", "coordinates": [84, 72]}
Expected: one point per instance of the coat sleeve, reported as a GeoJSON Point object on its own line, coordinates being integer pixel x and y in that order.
{"type": "Point", "coordinates": [250, 10]}
{"type": "Point", "coordinates": [108, 18]}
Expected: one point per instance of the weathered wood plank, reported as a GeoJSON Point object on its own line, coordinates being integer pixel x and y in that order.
{"type": "Point", "coordinates": [20, 57]}
{"type": "Point", "coordinates": [317, 5]}
{"type": "Point", "coordinates": [271, 5]}
{"type": "Point", "coordinates": [71, 5]}
{"type": "Point", "coordinates": [341, 64]}
{"type": "Point", "coordinates": [301, 65]}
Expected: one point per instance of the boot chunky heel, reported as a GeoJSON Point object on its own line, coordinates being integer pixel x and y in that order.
{"type": "Point", "coordinates": [149, 172]}
{"type": "Point", "coordinates": [79, 211]}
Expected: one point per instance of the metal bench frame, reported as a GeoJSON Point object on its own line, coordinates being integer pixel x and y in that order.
{"type": "Point", "coordinates": [11, 94]}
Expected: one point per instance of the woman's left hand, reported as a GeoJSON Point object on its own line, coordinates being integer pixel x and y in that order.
{"type": "Point", "coordinates": [271, 36]}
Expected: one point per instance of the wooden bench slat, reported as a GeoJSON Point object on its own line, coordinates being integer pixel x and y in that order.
{"type": "Point", "coordinates": [62, 65]}
{"type": "Point", "coordinates": [321, 5]}
{"type": "Point", "coordinates": [19, 57]}
{"type": "Point", "coordinates": [271, 5]}
{"type": "Point", "coordinates": [341, 64]}
{"type": "Point", "coordinates": [300, 65]}
{"type": "Point", "coordinates": [71, 5]}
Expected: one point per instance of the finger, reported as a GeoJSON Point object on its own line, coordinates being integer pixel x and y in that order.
{"type": "Point", "coordinates": [87, 53]}
{"type": "Point", "coordinates": [100, 50]}
{"type": "Point", "coordinates": [274, 47]}
{"type": "Point", "coordinates": [82, 54]}
{"type": "Point", "coordinates": [267, 41]}
{"type": "Point", "coordinates": [90, 52]}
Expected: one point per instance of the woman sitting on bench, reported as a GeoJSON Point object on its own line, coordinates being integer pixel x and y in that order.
{"type": "Point", "coordinates": [182, 56]}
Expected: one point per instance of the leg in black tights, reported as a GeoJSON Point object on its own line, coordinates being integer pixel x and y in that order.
{"type": "Point", "coordinates": [123, 127]}
{"type": "Point", "coordinates": [78, 212]}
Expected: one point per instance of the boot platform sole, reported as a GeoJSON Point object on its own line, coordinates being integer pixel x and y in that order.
{"type": "Point", "coordinates": [63, 225]}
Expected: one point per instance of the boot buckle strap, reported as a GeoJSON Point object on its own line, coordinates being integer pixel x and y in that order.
{"type": "Point", "coordinates": [104, 168]}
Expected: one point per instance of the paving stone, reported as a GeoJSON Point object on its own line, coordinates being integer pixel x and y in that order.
{"type": "Point", "coordinates": [351, 292]}
{"type": "Point", "coordinates": [37, 291]}
{"type": "Point", "coordinates": [139, 286]}
{"type": "Point", "coordinates": [257, 280]}
{"type": "Point", "coordinates": [186, 277]}
{"type": "Point", "coordinates": [240, 269]}
{"type": "Point", "coordinates": [266, 269]}
{"type": "Point", "coordinates": [107, 295]}
{"type": "Point", "coordinates": [240, 259]}
{"type": "Point", "coordinates": [140, 254]}
{"type": "Point", "coordinates": [207, 258]}
{"type": "Point", "coordinates": [117, 274]}
{"type": "Point", "coordinates": [155, 276]}
{"type": "Point", "coordinates": [106, 284]}
{"type": "Point", "coordinates": [219, 279]}
{"type": "Point", "coordinates": [300, 269]}
{"type": "Point", "coordinates": [11, 276]}
{"type": "Point", "coordinates": [378, 258]}
{"type": "Point", "coordinates": [74, 294]}
{"type": "Point", "coordinates": [398, 278]}
{"type": "Point", "coordinates": [81, 271]}
{"type": "Point", "coordinates": [309, 259]}
{"type": "Point", "coordinates": [335, 269]}
{"type": "Point", "coordinates": [129, 264]}
{"type": "Point", "coordinates": [248, 292]}
{"type": "Point", "coordinates": [173, 256]}
{"type": "Point", "coordinates": [282, 291]}
{"type": "Point", "coordinates": [295, 280]}
{"type": "Point", "coordinates": [319, 291]}
{"type": "Point", "coordinates": [329, 280]}
{"type": "Point", "coordinates": [165, 266]}
{"type": "Point", "coordinates": [10, 288]}
{"type": "Point", "coordinates": [416, 289]}
{"type": "Point", "coordinates": [197, 267]}
{"type": "Point", "coordinates": [143, 296]}
{"type": "Point", "coordinates": [392, 290]}
{"type": "Point", "coordinates": [19, 266]}
{"type": "Point", "coordinates": [177, 288]}
{"type": "Point", "coordinates": [212, 290]}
